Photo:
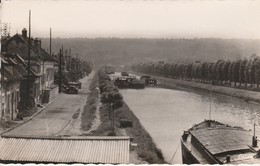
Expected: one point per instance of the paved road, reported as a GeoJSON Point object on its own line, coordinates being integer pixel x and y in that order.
{"type": "Point", "coordinates": [57, 116]}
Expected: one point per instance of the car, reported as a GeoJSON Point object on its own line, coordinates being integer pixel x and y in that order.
{"type": "Point", "coordinates": [79, 84]}
{"type": "Point", "coordinates": [72, 88]}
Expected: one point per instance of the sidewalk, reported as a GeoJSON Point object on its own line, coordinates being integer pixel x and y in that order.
{"type": "Point", "coordinates": [7, 126]}
{"type": "Point", "coordinates": [54, 117]}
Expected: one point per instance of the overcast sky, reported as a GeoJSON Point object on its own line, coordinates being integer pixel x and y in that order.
{"type": "Point", "coordinates": [136, 18]}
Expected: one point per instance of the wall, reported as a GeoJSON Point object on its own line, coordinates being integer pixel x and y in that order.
{"type": "Point", "coordinates": [10, 94]}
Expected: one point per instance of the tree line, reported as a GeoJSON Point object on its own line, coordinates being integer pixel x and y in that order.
{"type": "Point", "coordinates": [109, 95]}
{"type": "Point", "coordinates": [240, 73]}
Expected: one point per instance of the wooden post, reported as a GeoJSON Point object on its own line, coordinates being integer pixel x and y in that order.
{"type": "Point", "coordinates": [29, 58]}
{"type": "Point", "coordinates": [113, 129]}
{"type": "Point", "coordinates": [60, 71]}
{"type": "Point", "coordinates": [50, 41]}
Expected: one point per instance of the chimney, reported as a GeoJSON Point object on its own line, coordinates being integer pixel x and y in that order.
{"type": "Point", "coordinates": [228, 158]}
{"type": "Point", "coordinates": [24, 32]}
{"type": "Point", "coordinates": [254, 141]}
{"type": "Point", "coordinates": [40, 43]}
{"type": "Point", "coordinates": [37, 44]}
{"type": "Point", "coordinates": [32, 42]}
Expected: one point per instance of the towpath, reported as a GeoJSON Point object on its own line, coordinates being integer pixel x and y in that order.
{"type": "Point", "coordinates": [58, 117]}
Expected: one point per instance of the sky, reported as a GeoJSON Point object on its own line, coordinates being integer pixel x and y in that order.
{"type": "Point", "coordinates": [135, 18]}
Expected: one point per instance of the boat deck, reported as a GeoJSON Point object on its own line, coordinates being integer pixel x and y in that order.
{"type": "Point", "coordinates": [223, 139]}
{"type": "Point", "coordinates": [216, 142]}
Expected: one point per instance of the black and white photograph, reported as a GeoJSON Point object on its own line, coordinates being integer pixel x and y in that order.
{"type": "Point", "coordinates": [130, 82]}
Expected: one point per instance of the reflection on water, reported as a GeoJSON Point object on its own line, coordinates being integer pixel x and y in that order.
{"type": "Point", "coordinates": [165, 113]}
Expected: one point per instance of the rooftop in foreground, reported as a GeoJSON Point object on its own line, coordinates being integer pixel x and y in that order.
{"type": "Point", "coordinates": [113, 150]}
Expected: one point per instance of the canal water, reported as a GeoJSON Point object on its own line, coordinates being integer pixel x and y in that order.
{"type": "Point", "coordinates": [165, 113]}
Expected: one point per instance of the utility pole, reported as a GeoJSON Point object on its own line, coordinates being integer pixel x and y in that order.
{"type": "Point", "coordinates": [77, 62]}
{"type": "Point", "coordinates": [60, 72]}
{"type": "Point", "coordinates": [50, 41]}
{"type": "Point", "coordinates": [70, 59]}
{"type": "Point", "coordinates": [29, 58]}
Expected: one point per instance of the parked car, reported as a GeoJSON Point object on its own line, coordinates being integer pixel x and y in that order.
{"type": "Point", "coordinates": [79, 84]}
{"type": "Point", "coordinates": [72, 88]}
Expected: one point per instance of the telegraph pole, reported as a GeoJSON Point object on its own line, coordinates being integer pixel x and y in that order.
{"type": "Point", "coordinates": [29, 57]}
{"type": "Point", "coordinates": [50, 41]}
{"type": "Point", "coordinates": [70, 60]}
{"type": "Point", "coordinates": [77, 63]}
{"type": "Point", "coordinates": [60, 72]}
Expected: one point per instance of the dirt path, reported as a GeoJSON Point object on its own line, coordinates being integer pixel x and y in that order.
{"type": "Point", "coordinates": [59, 118]}
{"type": "Point", "coordinates": [96, 121]}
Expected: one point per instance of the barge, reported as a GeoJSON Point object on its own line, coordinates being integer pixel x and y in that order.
{"type": "Point", "coordinates": [148, 80]}
{"type": "Point", "coordinates": [128, 82]}
{"type": "Point", "coordinates": [211, 142]}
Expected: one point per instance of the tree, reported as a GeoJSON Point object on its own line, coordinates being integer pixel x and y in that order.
{"type": "Point", "coordinates": [242, 67]}
{"type": "Point", "coordinates": [252, 72]}
{"type": "Point", "coordinates": [188, 71]}
{"type": "Point", "coordinates": [195, 70]}
{"type": "Point", "coordinates": [114, 100]}
{"type": "Point", "coordinates": [214, 71]}
{"type": "Point", "coordinates": [219, 73]}
{"type": "Point", "coordinates": [210, 65]}
{"type": "Point", "coordinates": [247, 71]}
{"type": "Point", "coordinates": [235, 72]}
{"type": "Point", "coordinates": [203, 69]}
{"type": "Point", "coordinates": [225, 71]}
{"type": "Point", "coordinates": [257, 71]}
{"type": "Point", "coordinates": [230, 73]}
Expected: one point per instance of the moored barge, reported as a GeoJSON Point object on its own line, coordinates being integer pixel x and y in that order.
{"type": "Point", "coordinates": [211, 142]}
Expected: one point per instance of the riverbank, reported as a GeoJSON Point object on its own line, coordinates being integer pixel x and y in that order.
{"type": "Point", "coordinates": [246, 95]}
{"type": "Point", "coordinates": [143, 151]}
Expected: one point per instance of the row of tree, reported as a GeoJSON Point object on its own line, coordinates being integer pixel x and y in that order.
{"type": "Point", "coordinates": [233, 73]}
{"type": "Point", "coordinates": [109, 95]}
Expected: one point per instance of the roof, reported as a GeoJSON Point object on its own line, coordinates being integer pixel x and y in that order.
{"type": "Point", "coordinates": [46, 56]}
{"type": "Point", "coordinates": [72, 150]}
{"type": "Point", "coordinates": [223, 139]}
{"type": "Point", "coordinates": [8, 74]}
{"type": "Point", "coordinates": [24, 67]}
{"type": "Point", "coordinates": [19, 45]}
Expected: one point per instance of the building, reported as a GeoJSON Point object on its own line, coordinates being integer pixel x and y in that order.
{"type": "Point", "coordinates": [10, 88]}
{"type": "Point", "coordinates": [41, 78]}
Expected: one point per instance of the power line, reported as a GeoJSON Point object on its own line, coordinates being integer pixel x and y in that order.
{"type": "Point", "coordinates": [171, 160]}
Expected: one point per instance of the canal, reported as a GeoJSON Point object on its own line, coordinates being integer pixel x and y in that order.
{"type": "Point", "coordinates": [165, 113]}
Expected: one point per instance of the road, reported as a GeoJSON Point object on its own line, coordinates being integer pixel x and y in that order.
{"type": "Point", "coordinates": [58, 118]}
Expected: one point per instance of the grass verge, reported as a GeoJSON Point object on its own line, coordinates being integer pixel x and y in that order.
{"type": "Point", "coordinates": [88, 115]}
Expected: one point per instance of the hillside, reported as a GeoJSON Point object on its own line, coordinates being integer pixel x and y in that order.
{"type": "Point", "coordinates": [118, 51]}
